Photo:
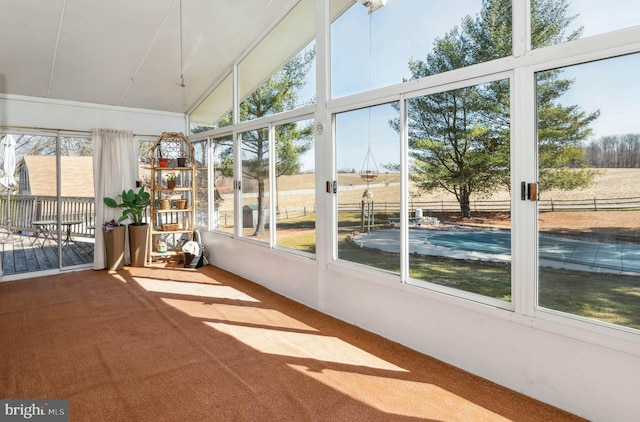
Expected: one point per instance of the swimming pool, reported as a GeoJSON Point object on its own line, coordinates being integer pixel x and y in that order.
{"type": "Point", "coordinates": [486, 242]}
{"type": "Point", "coordinates": [612, 256]}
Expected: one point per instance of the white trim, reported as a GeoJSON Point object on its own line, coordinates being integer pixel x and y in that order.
{"type": "Point", "coordinates": [404, 190]}
{"type": "Point", "coordinates": [94, 106]}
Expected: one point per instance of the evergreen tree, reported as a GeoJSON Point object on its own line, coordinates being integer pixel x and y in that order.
{"type": "Point", "coordinates": [459, 139]}
{"type": "Point", "coordinates": [279, 93]}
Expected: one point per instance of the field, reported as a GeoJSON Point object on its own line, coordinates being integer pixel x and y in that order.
{"type": "Point", "coordinates": [610, 183]}
{"type": "Point", "coordinates": [297, 194]}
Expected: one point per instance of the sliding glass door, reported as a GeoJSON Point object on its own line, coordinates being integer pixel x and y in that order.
{"type": "Point", "coordinates": [46, 203]}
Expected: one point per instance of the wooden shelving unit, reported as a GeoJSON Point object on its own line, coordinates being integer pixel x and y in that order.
{"type": "Point", "coordinates": [171, 221]}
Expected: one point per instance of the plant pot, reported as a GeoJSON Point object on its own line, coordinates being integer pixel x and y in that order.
{"type": "Point", "coordinates": [138, 244]}
{"type": "Point", "coordinates": [182, 162]}
{"type": "Point", "coordinates": [182, 204]}
{"type": "Point", "coordinates": [163, 162]}
{"type": "Point", "coordinates": [161, 246]}
{"type": "Point", "coordinates": [165, 204]}
{"type": "Point", "coordinates": [171, 184]}
{"type": "Point", "coordinates": [114, 245]}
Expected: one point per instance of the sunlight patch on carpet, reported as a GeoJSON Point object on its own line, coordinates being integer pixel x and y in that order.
{"type": "Point", "coordinates": [401, 397]}
{"type": "Point", "coordinates": [237, 314]}
{"type": "Point", "coordinates": [303, 346]}
{"type": "Point", "coordinates": [118, 277]}
{"type": "Point", "coordinates": [193, 289]}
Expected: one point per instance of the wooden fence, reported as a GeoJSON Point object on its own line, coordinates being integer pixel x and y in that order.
{"type": "Point", "coordinates": [586, 204]}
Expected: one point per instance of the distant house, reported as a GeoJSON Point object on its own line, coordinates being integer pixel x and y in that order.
{"type": "Point", "coordinates": [37, 176]}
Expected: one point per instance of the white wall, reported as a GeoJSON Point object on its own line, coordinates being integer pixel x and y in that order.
{"type": "Point", "coordinates": [555, 364]}
{"type": "Point", "coordinates": [29, 112]}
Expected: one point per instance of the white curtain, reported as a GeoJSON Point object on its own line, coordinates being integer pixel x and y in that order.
{"type": "Point", "coordinates": [114, 169]}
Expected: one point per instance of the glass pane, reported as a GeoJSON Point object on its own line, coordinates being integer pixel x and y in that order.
{"type": "Point", "coordinates": [289, 87]}
{"type": "Point", "coordinates": [295, 186]}
{"type": "Point", "coordinates": [555, 22]}
{"type": "Point", "coordinates": [374, 50]}
{"type": "Point", "coordinates": [77, 201]}
{"type": "Point", "coordinates": [33, 205]}
{"type": "Point", "coordinates": [201, 185]}
{"type": "Point", "coordinates": [368, 162]}
{"type": "Point", "coordinates": [222, 173]}
{"type": "Point", "coordinates": [255, 184]}
{"type": "Point", "coordinates": [216, 110]}
{"type": "Point", "coordinates": [589, 173]}
{"type": "Point", "coordinates": [269, 79]}
{"type": "Point", "coordinates": [459, 151]}
{"type": "Point", "coordinates": [144, 163]}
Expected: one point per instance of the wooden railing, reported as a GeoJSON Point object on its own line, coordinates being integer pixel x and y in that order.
{"type": "Point", "coordinates": [22, 210]}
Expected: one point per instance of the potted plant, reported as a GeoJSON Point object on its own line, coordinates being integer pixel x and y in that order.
{"type": "Point", "coordinates": [134, 206]}
{"type": "Point", "coordinates": [171, 181]}
{"type": "Point", "coordinates": [114, 244]}
{"type": "Point", "coordinates": [162, 162]}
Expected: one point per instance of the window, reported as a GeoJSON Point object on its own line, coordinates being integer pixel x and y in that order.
{"type": "Point", "coordinates": [256, 195]}
{"type": "Point", "coordinates": [428, 199]}
{"type": "Point", "coordinates": [295, 186]}
{"type": "Point", "coordinates": [216, 110]}
{"type": "Point", "coordinates": [387, 46]}
{"type": "Point", "coordinates": [459, 152]}
{"type": "Point", "coordinates": [579, 19]}
{"type": "Point", "coordinates": [368, 164]}
{"type": "Point", "coordinates": [222, 173]}
{"type": "Point", "coordinates": [278, 74]}
{"type": "Point", "coordinates": [201, 183]}
{"type": "Point", "coordinates": [589, 174]}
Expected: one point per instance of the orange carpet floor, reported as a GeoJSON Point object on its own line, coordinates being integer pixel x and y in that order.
{"type": "Point", "coordinates": [158, 344]}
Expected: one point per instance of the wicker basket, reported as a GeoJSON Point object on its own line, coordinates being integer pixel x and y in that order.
{"type": "Point", "coordinates": [170, 227]}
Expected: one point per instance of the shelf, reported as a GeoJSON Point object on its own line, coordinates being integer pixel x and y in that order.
{"type": "Point", "coordinates": [170, 168]}
{"type": "Point", "coordinates": [171, 145]}
{"type": "Point", "coordinates": [176, 189]}
{"type": "Point", "coordinates": [173, 210]}
{"type": "Point", "coordinates": [167, 253]}
{"type": "Point", "coordinates": [171, 231]}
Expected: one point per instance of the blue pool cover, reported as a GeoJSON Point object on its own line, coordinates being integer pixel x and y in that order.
{"type": "Point", "coordinates": [613, 256]}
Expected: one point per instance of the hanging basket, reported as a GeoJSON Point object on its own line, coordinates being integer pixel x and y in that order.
{"type": "Point", "coordinates": [369, 171]}
{"type": "Point", "coordinates": [368, 175]}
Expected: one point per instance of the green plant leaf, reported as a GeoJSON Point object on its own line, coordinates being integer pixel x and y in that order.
{"type": "Point", "coordinates": [110, 202]}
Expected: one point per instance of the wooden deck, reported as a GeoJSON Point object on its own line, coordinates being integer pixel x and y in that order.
{"type": "Point", "coordinates": [24, 255]}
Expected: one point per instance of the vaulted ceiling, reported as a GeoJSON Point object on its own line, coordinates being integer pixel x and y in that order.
{"type": "Point", "coordinates": [128, 53]}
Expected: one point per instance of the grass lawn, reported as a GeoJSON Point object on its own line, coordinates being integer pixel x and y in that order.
{"type": "Point", "coordinates": [297, 233]}
{"type": "Point", "coordinates": [610, 298]}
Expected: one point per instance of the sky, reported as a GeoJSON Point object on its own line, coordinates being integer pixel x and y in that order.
{"type": "Point", "coordinates": [371, 51]}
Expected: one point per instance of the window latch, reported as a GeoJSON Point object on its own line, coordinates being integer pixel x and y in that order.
{"type": "Point", "coordinates": [529, 191]}
{"type": "Point", "coordinates": [332, 187]}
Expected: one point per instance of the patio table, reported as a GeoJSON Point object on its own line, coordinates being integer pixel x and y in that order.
{"type": "Point", "coordinates": [43, 231]}
{"type": "Point", "coordinates": [67, 225]}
